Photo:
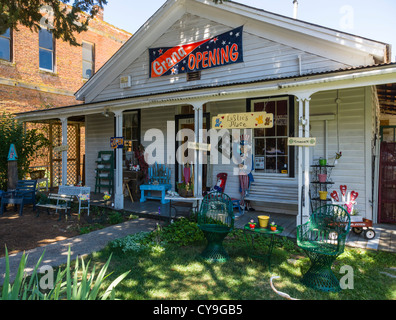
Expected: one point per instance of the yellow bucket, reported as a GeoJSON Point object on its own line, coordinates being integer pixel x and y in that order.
{"type": "Point", "coordinates": [263, 221]}
{"type": "Point", "coordinates": [322, 195]}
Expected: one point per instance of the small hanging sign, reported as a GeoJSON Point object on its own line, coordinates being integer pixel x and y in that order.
{"type": "Point", "coordinates": [117, 142]}
{"type": "Point", "coordinates": [247, 120]}
{"type": "Point", "coordinates": [302, 142]}
{"type": "Point", "coordinates": [12, 155]}
{"type": "Point", "coordinates": [61, 148]}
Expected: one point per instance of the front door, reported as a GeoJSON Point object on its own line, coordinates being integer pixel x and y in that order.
{"type": "Point", "coordinates": [186, 121]}
{"type": "Point", "coordinates": [387, 176]}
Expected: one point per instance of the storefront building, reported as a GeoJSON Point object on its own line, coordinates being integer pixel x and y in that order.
{"type": "Point", "coordinates": [194, 60]}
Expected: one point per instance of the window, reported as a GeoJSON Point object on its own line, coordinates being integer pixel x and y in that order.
{"type": "Point", "coordinates": [271, 152]}
{"type": "Point", "coordinates": [46, 50]}
{"type": "Point", "coordinates": [131, 134]}
{"type": "Point", "coordinates": [88, 60]}
{"type": "Point", "coordinates": [5, 45]}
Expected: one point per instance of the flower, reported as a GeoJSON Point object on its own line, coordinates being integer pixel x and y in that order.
{"type": "Point", "coordinates": [252, 222]}
{"type": "Point", "coordinates": [106, 196]}
{"type": "Point", "coordinates": [273, 224]}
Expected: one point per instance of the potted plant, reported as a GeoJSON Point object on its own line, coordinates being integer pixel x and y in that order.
{"type": "Point", "coordinates": [273, 226]}
{"type": "Point", "coordinates": [252, 224]}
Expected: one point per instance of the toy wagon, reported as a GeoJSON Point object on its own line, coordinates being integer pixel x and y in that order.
{"type": "Point", "coordinates": [358, 223]}
{"type": "Point", "coordinates": [364, 225]}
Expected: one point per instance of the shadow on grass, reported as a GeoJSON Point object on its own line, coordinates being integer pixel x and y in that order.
{"type": "Point", "coordinates": [178, 273]}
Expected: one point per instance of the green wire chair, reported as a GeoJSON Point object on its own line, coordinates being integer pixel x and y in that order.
{"type": "Point", "coordinates": [216, 220]}
{"type": "Point", "coordinates": [323, 239]}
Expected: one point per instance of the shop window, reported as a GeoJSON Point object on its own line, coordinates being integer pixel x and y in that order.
{"type": "Point", "coordinates": [46, 50]}
{"type": "Point", "coordinates": [270, 149]}
{"type": "Point", "coordinates": [131, 134]}
{"type": "Point", "coordinates": [5, 45]}
{"type": "Point", "coordinates": [88, 60]}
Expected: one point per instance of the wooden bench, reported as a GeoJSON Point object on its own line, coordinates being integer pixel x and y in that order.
{"type": "Point", "coordinates": [158, 180]}
{"type": "Point", "coordinates": [62, 203]}
{"type": "Point", "coordinates": [281, 192]}
{"type": "Point", "coordinates": [81, 193]}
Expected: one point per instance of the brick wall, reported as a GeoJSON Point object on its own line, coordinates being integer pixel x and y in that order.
{"type": "Point", "coordinates": [23, 87]}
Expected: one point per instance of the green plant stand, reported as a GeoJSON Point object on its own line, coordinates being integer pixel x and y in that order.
{"type": "Point", "coordinates": [216, 220]}
{"type": "Point", "coordinates": [258, 247]}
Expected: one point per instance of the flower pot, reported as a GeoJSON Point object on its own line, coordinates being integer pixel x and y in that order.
{"type": "Point", "coordinates": [322, 177]}
{"type": "Point", "coordinates": [263, 221]}
{"type": "Point", "coordinates": [252, 226]}
{"type": "Point", "coordinates": [322, 162]}
{"type": "Point", "coordinates": [273, 228]}
{"type": "Point", "coordinates": [322, 195]}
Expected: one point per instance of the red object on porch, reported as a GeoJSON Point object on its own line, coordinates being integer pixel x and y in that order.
{"type": "Point", "coordinates": [387, 183]}
{"type": "Point", "coordinates": [221, 181]}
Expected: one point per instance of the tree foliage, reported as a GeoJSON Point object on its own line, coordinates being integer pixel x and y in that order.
{"type": "Point", "coordinates": [62, 19]}
{"type": "Point", "coordinates": [26, 142]}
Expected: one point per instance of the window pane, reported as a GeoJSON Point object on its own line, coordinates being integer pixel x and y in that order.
{"type": "Point", "coordinates": [45, 59]}
{"type": "Point", "coordinates": [5, 49]}
{"type": "Point", "coordinates": [87, 51]}
{"type": "Point", "coordinates": [87, 70]}
{"type": "Point", "coordinates": [45, 39]}
{"type": "Point", "coordinates": [7, 34]}
{"type": "Point", "coordinates": [259, 147]}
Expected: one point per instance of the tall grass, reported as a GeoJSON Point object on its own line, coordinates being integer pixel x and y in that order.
{"type": "Point", "coordinates": [79, 285]}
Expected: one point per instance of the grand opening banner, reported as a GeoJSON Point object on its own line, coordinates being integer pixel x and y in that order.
{"type": "Point", "coordinates": [218, 51]}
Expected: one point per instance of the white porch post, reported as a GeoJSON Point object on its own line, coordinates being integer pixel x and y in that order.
{"type": "Point", "coordinates": [303, 160]}
{"type": "Point", "coordinates": [198, 155]}
{"type": "Point", "coordinates": [119, 196]}
{"type": "Point", "coordinates": [64, 153]}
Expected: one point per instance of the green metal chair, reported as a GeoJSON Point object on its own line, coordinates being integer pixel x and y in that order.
{"type": "Point", "coordinates": [216, 220]}
{"type": "Point", "coordinates": [323, 239]}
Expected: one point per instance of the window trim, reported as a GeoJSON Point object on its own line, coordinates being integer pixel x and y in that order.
{"type": "Point", "coordinates": [52, 51]}
{"type": "Point", "coordinates": [291, 128]}
{"type": "Point", "coordinates": [93, 59]}
{"type": "Point", "coordinates": [11, 40]}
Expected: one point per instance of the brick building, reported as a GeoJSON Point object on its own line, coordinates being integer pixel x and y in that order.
{"type": "Point", "coordinates": [38, 72]}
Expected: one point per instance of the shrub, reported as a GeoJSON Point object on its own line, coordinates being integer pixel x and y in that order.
{"type": "Point", "coordinates": [182, 232]}
{"type": "Point", "coordinates": [26, 142]}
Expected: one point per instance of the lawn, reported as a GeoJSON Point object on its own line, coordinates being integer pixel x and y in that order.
{"type": "Point", "coordinates": [172, 270]}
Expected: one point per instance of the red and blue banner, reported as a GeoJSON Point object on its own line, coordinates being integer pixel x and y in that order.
{"type": "Point", "coordinates": [218, 51]}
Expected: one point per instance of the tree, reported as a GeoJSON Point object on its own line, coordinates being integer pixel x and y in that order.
{"type": "Point", "coordinates": [26, 142]}
{"type": "Point", "coordinates": [62, 19]}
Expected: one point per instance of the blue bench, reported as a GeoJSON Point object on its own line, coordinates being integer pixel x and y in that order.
{"type": "Point", "coordinates": [158, 180]}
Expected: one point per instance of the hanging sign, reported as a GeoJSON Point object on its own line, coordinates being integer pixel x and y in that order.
{"type": "Point", "coordinates": [302, 142]}
{"type": "Point", "coordinates": [247, 120]}
{"type": "Point", "coordinates": [12, 155]}
{"type": "Point", "coordinates": [61, 148]}
{"type": "Point", "coordinates": [198, 146]}
{"type": "Point", "coordinates": [117, 142]}
{"type": "Point", "coordinates": [218, 51]}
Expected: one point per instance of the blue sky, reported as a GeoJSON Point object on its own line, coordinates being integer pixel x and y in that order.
{"type": "Point", "coordinates": [367, 18]}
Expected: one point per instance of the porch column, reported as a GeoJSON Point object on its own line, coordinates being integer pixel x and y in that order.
{"type": "Point", "coordinates": [64, 152]}
{"type": "Point", "coordinates": [303, 160]}
{"type": "Point", "coordinates": [198, 126]}
{"type": "Point", "coordinates": [119, 195]}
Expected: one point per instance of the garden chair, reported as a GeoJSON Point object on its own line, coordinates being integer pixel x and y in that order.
{"type": "Point", "coordinates": [323, 239]}
{"type": "Point", "coordinates": [216, 220]}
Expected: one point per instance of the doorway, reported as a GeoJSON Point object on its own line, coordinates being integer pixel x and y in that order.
{"type": "Point", "coordinates": [186, 121]}
{"type": "Point", "coordinates": [387, 176]}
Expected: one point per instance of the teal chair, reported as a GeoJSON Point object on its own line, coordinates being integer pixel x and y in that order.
{"type": "Point", "coordinates": [323, 239]}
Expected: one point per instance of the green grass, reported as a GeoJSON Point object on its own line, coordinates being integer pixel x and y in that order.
{"type": "Point", "coordinates": [178, 273]}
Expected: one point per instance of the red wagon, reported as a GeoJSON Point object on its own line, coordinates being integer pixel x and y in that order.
{"type": "Point", "coordinates": [365, 226]}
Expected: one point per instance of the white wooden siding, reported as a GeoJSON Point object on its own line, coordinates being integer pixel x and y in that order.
{"type": "Point", "coordinates": [346, 133]}
{"type": "Point", "coordinates": [98, 131]}
{"type": "Point", "coordinates": [263, 59]}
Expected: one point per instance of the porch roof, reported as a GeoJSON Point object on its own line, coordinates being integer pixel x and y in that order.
{"type": "Point", "coordinates": [374, 75]}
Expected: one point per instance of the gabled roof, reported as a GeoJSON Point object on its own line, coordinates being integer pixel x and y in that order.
{"type": "Point", "coordinates": [343, 47]}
